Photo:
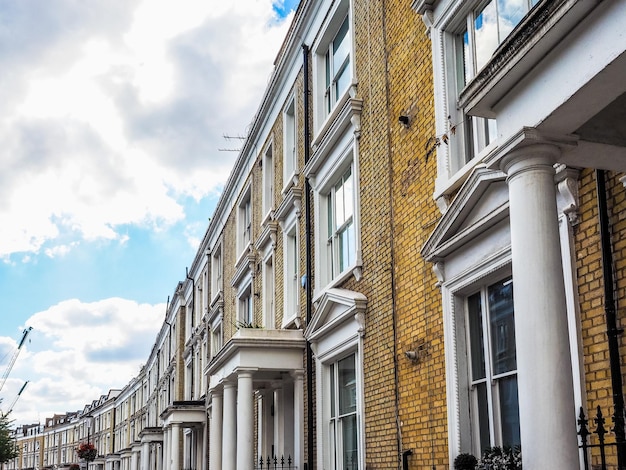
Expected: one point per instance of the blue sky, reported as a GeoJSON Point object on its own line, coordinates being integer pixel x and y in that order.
{"type": "Point", "coordinates": [112, 120]}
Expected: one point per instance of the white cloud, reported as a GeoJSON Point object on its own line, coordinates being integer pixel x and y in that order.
{"type": "Point", "coordinates": [115, 111]}
{"type": "Point", "coordinates": [77, 352]}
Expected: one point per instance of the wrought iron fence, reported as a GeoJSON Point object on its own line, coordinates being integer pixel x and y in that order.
{"type": "Point", "coordinates": [597, 439]}
{"type": "Point", "coordinates": [275, 463]}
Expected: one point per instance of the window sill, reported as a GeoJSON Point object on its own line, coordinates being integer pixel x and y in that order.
{"type": "Point", "coordinates": [355, 270]}
{"type": "Point", "coordinates": [291, 181]}
{"type": "Point", "coordinates": [446, 187]}
{"type": "Point", "coordinates": [244, 265]}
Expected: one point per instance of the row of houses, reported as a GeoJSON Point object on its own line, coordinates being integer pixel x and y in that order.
{"type": "Point", "coordinates": [420, 252]}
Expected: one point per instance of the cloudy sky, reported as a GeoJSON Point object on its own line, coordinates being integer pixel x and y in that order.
{"type": "Point", "coordinates": [112, 155]}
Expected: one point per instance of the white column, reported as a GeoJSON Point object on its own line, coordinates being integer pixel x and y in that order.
{"type": "Point", "coordinates": [229, 435]}
{"type": "Point", "coordinates": [279, 421]}
{"type": "Point", "coordinates": [245, 421]}
{"type": "Point", "coordinates": [134, 460]}
{"type": "Point", "coordinates": [166, 449]}
{"type": "Point", "coordinates": [215, 447]}
{"type": "Point", "coordinates": [145, 456]}
{"type": "Point", "coordinates": [175, 446]}
{"type": "Point", "coordinates": [546, 393]}
{"type": "Point", "coordinates": [298, 418]}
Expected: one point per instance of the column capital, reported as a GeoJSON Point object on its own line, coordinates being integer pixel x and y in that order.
{"type": "Point", "coordinates": [529, 143]}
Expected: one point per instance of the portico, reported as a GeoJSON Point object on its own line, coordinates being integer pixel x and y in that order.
{"type": "Point", "coordinates": [262, 365]}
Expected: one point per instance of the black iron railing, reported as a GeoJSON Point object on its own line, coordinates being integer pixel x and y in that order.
{"type": "Point", "coordinates": [597, 438]}
{"type": "Point", "coordinates": [276, 463]}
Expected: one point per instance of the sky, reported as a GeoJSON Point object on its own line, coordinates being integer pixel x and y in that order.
{"type": "Point", "coordinates": [113, 152]}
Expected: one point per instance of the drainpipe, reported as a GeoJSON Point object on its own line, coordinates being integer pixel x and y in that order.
{"type": "Point", "coordinates": [308, 255]}
{"type": "Point", "coordinates": [611, 322]}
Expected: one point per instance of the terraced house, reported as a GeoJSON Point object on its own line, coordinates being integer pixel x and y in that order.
{"type": "Point", "coordinates": [417, 255]}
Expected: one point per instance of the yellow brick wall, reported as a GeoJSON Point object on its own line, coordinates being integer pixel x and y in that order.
{"type": "Point", "coordinates": [422, 394]}
{"type": "Point", "coordinates": [591, 291]}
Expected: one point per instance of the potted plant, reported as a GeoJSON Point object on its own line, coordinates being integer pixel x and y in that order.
{"type": "Point", "coordinates": [87, 451]}
{"type": "Point", "coordinates": [465, 462]}
{"type": "Point", "coordinates": [499, 458]}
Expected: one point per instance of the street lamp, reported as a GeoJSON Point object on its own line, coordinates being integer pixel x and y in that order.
{"type": "Point", "coordinates": [88, 421]}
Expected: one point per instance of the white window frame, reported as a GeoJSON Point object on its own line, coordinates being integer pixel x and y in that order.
{"type": "Point", "coordinates": [336, 419]}
{"type": "Point", "coordinates": [268, 181]}
{"type": "Point", "coordinates": [342, 348]}
{"type": "Point", "coordinates": [336, 200]}
{"type": "Point", "coordinates": [323, 108]}
{"type": "Point", "coordinates": [244, 221]}
{"type": "Point", "coordinates": [462, 141]}
{"type": "Point", "coordinates": [245, 305]}
{"type": "Point", "coordinates": [291, 269]}
{"type": "Point", "coordinates": [269, 284]}
{"type": "Point", "coordinates": [217, 271]}
{"type": "Point", "coordinates": [326, 262]}
{"type": "Point", "coordinates": [491, 380]}
{"type": "Point", "coordinates": [337, 330]}
{"type": "Point", "coordinates": [217, 335]}
{"type": "Point", "coordinates": [290, 145]}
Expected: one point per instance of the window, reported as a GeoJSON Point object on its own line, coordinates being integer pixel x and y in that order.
{"type": "Point", "coordinates": [246, 313]}
{"type": "Point", "coordinates": [340, 241]}
{"type": "Point", "coordinates": [469, 44]}
{"type": "Point", "coordinates": [216, 338]}
{"type": "Point", "coordinates": [268, 293]}
{"type": "Point", "coordinates": [216, 271]}
{"type": "Point", "coordinates": [493, 367]}
{"type": "Point", "coordinates": [290, 164]}
{"type": "Point", "coordinates": [268, 182]}
{"type": "Point", "coordinates": [244, 222]}
{"type": "Point", "coordinates": [337, 66]}
{"type": "Point", "coordinates": [332, 62]}
{"type": "Point", "coordinates": [291, 276]}
{"type": "Point", "coordinates": [343, 427]}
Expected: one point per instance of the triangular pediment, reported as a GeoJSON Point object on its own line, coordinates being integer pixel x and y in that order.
{"type": "Point", "coordinates": [482, 202]}
{"type": "Point", "coordinates": [334, 307]}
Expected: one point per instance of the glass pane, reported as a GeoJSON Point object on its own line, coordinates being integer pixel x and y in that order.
{"type": "Point", "coordinates": [477, 346]}
{"type": "Point", "coordinates": [342, 80]}
{"type": "Point", "coordinates": [510, 13]}
{"type": "Point", "coordinates": [468, 73]}
{"type": "Point", "coordinates": [346, 246]}
{"type": "Point", "coordinates": [328, 71]}
{"type": "Point", "coordinates": [492, 130]}
{"type": "Point", "coordinates": [333, 391]}
{"type": "Point", "coordinates": [502, 324]}
{"type": "Point", "coordinates": [330, 211]}
{"type": "Point", "coordinates": [348, 194]}
{"type": "Point", "coordinates": [509, 411]}
{"type": "Point", "coordinates": [483, 416]}
{"type": "Point", "coordinates": [485, 33]}
{"type": "Point", "coordinates": [346, 377]}
{"type": "Point", "coordinates": [340, 215]}
{"type": "Point", "coordinates": [341, 47]}
{"type": "Point", "coordinates": [349, 437]}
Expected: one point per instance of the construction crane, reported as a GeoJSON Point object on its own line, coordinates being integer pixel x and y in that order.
{"type": "Point", "coordinates": [16, 398]}
{"type": "Point", "coordinates": [14, 357]}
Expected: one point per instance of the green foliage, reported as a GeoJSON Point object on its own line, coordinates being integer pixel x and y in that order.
{"type": "Point", "coordinates": [8, 445]}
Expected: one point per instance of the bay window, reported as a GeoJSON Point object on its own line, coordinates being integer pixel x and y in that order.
{"type": "Point", "coordinates": [470, 36]}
